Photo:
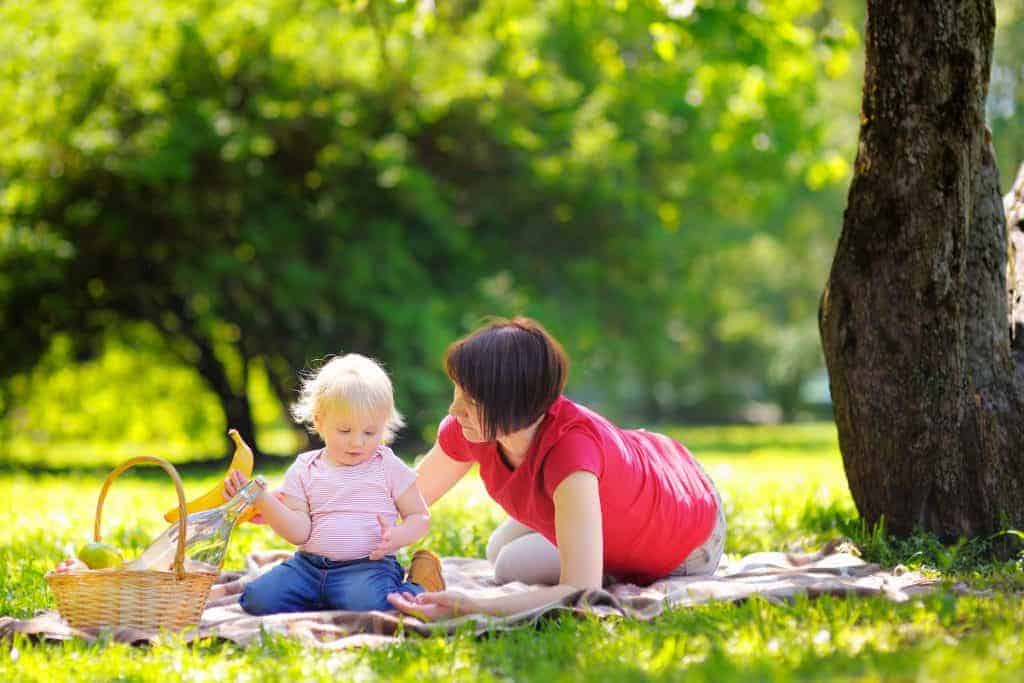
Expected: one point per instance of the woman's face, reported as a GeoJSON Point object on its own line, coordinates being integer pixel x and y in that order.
{"type": "Point", "coordinates": [467, 412]}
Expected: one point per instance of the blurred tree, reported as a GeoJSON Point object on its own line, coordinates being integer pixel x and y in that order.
{"type": "Point", "coordinates": [278, 182]}
{"type": "Point", "coordinates": [914, 319]}
{"type": "Point", "coordinates": [1005, 106]}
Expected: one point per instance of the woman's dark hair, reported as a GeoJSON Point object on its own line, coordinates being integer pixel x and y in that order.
{"type": "Point", "coordinates": [513, 369]}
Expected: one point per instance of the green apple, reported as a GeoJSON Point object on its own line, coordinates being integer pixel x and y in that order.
{"type": "Point", "coordinates": [100, 555]}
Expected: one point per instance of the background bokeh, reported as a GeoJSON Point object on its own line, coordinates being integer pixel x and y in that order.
{"type": "Point", "coordinates": [199, 200]}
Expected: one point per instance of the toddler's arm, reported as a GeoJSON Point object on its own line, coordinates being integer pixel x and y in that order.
{"type": "Point", "coordinates": [415, 524]}
{"type": "Point", "coordinates": [289, 518]}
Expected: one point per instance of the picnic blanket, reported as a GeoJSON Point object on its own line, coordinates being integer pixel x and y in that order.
{"type": "Point", "coordinates": [776, 576]}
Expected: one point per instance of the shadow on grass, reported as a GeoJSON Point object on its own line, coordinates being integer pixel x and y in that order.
{"type": "Point", "coordinates": [749, 641]}
{"type": "Point", "coordinates": [996, 559]}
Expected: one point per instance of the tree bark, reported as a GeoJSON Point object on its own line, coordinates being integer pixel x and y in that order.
{"type": "Point", "coordinates": [233, 401]}
{"type": "Point", "coordinates": [914, 318]}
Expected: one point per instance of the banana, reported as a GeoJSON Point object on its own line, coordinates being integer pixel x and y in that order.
{"type": "Point", "coordinates": [241, 461]}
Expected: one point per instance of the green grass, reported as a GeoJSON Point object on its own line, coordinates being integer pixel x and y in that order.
{"type": "Point", "coordinates": [784, 488]}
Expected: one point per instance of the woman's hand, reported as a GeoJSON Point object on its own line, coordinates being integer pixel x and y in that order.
{"type": "Point", "coordinates": [434, 606]}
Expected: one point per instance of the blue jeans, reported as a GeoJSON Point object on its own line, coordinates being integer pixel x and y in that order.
{"type": "Point", "coordinates": [307, 582]}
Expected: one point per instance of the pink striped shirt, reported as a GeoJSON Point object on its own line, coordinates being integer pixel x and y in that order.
{"type": "Point", "coordinates": [344, 500]}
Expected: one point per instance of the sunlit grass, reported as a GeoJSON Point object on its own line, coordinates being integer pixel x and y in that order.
{"type": "Point", "coordinates": [784, 488]}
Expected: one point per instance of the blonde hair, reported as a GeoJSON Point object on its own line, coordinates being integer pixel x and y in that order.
{"type": "Point", "coordinates": [351, 382]}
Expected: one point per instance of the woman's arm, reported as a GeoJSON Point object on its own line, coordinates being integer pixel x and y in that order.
{"type": "Point", "coordinates": [580, 547]}
{"type": "Point", "coordinates": [415, 524]}
{"type": "Point", "coordinates": [438, 473]}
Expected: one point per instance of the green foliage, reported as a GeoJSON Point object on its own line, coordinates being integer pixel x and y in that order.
{"type": "Point", "coordinates": [660, 183]}
{"type": "Point", "coordinates": [273, 184]}
{"type": "Point", "coordinates": [101, 411]}
{"type": "Point", "coordinates": [783, 488]}
{"type": "Point", "coordinates": [1005, 106]}
{"type": "Point", "coordinates": [91, 402]}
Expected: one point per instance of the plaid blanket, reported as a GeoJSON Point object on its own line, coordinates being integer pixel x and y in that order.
{"type": "Point", "coordinates": [776, 576]}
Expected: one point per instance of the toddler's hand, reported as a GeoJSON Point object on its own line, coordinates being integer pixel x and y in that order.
{"type": "Point", "coordinates": [233, 483]}
{"type": "Point", "coordinates": [70, 564]}
{"type": "Point", "coordinates": [388, 543]}
{"type": "Point", "coordinates": [258, 517]}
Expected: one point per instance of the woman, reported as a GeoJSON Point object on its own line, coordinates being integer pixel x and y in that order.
{"type": "Point", "coordinates": [586, 500]}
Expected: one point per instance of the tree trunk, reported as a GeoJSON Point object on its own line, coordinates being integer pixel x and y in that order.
{"type": "Point", "coordinates": [914, 318]}
{"type": "Point", "coordinates": [234, 403]}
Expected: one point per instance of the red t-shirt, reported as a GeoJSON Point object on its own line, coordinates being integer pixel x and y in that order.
{"type": "Point", "coordinates": [657, 505]}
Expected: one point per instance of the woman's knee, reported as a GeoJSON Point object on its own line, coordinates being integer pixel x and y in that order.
{"type": "Point", "coordinates": [530, 559]}
{"type": "Point", "coordinates": [507, 567]}
{"type": "Point", "coordinates": [494, 546]}
{"type": "Point", "coordinates": [507, 532]}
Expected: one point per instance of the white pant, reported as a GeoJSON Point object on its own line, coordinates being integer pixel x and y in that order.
{"type": "Point", "coordinates": [705, 558]}
{"type": "Point", "coordinates": [518, 553]}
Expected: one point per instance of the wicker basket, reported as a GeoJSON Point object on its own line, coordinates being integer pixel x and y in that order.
{"type": "Point", "coordinates": [141, 599]}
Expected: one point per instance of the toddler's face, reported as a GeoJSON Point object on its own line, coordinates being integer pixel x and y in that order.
{"type": "Point", "coordinates": [351, 437]}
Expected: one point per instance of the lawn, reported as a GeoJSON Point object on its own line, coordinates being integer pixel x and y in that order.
{"type": "Point", "coordinates": [784, 489]}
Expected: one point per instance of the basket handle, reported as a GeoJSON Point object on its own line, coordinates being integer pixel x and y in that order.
{"type": "Point", "coordinates": [179, 555]}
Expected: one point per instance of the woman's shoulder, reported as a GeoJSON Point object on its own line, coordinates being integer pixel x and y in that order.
{"type": "Point", "coordinates": [567, 419]}
{"type": "Point", "coordinates": [448, 426]}
{"type": "Point", "coordinates": [569, 444]}
{"type": "Point", "coordinates": [452, 441]}
{"type": "Point", "coordinates": [565, 409]}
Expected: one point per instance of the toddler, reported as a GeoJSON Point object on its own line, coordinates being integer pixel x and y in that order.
{"type": "Point", "coordinates": [340, 503]}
